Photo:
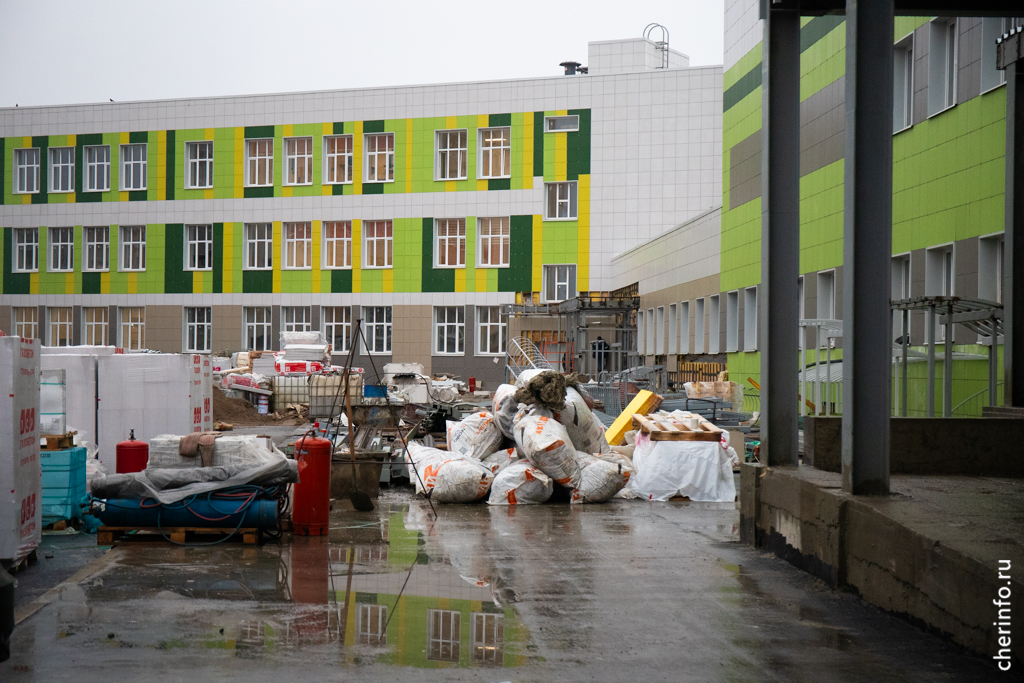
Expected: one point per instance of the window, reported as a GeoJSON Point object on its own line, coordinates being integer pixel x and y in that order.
{"type": "Point", "coordinates": [26, 322]}
{"type": "Point", "coordinates": [61, 326]}
{"type": "Point", "coordinates": [258, 328]}
{"type": "Point", "coordinates": [298, 246]}
{"type": "Point", "coordinates": [673, 329]}
{"type": "Point", "coordinates": [338, 244]}
{"type": "Point", "coordinates": [659, 331]}
{"type": "Point", "coordinates": [96, 252]}
{"type": "Point", "coordinates": [488, 638]}
{"type": "Point", "coordinates": [370, 623]}
{"type": "Point", "coordinates": [450, 247]}
{"type": "Point", "coordinates": [337, 327]}
{"type": "Point", "coordinates": [649, 333]}
{"type": "Point", "coordinates": [62, 250]}
{"type": "Point", "coordinates": [495, 153]}
{"type": "Point", "coordinates": [942, 65]}
{"type": "Point", "coordinates": [827, 295]}
{"type": "Point", "coordinates": [899, 284]}
{"type": "Point", "coordinates": [714, 324]}
{"type": "Point", "coordinates": [493, 330]}
{"type": "Point", "coordinates": [95, 326]}
{"type": "Point", "coordinates": [133, 167]}
{"type": "Point", "coordinates": [199, 247]}
{"type": "Point", "coordinates": [133, 328]}
{"type": "Point", "coordinates": [380, 157]}
{"type": "Point", "coordinates": [559, 283]}
{"type": "Point", "coordinates": [443, 631]}
{"type": "Point", "coordinates": [939, 271]}
{"type": "Point", "coordinates": [449, 330]}
{"type": "Point", "coordinates": [198, 329]}
{"type": "Point", "coordinates": [378, 329]}
{"type": "Point", "coordinates": [133, 247]}
{"type": "Point", "coordinates": [298, 161]}
{"type": "Point", "coordinates": [684, 327]}
{"type": "Point", "coordinates": [62, 169]}
{"type": "Point", "coordinates": [297, 318]}
{"type": "Point", "coordinates": [561, 202]}
{"type": "Point", "coordinates": [750, 319]}
{"type": "Point", "coordinates": [801, 298]}
{"type": "Point", "coordinates": [97, 168]}
{"type": "Point", "coordinates": [200, 165]}
{"type": "Point", "coordinates": [26, 250]}
{"type": "Point", "coordinates": [698, 326]}
{"type": "Point", "coordinates": [732, 322]}
{"type": "Point", "coordinates": [338, 159]}
{"type": "Point", "coordinates": [641, 328]}
{"type": "Point", "coordinates": [259, 246]}
{"type": "Point", "coordinates": [452, 153]}
{"type": "Point", "coordinates": [990, 268]}
{"type": "Point", "coordinates": [259, 162]}
{"type": "Point", "coordinates": [903, 84]}
{"type": "Point", "coordinates": [26, 171]}
{"type": "Point", "coordinates": [561, 124]}
{"type": "Point", "coordinates": [494, 246]}
{"type": "Point", "coordinates": [378, 244]}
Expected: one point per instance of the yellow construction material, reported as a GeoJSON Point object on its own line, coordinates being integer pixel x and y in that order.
{"type": "Point", "coordinates": [643, 403]}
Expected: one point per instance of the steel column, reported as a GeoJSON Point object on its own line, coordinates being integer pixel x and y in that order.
{"type": "Point", "coordinates": [1013, 258]}
{"type": "Point", "coordinates": [867, 247]}
{"type": "Point", "coordinates": [780, 234]}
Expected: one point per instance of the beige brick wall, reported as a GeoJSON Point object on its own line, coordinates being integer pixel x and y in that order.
{"type": "Point", "coordinates": [412, 330]}
{"type": "Point", "coordinates": [227, 329]}
{"type": "Point", "coordinates": [164, 328]}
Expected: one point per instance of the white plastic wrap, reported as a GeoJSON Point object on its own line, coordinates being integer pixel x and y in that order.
{"type": "Point", "coordinates": [228, 449]}
{"type": "Point", "coordinates": [586, 432]}
{"type": "Point", "coordinates": [79, 386]}
{"type": "Point", "coordinates": [308, 337]}
{"type": "Point", "coordinates": [448, 477]}
{"type": "Point", "coordinates": [505, 408]}
{"type": "Point", "coordinates": [547, 445]}
{"type": "Point", "coordinates": [699, 470]}
{"type": "Point", "coordinates": [476, 435]}
{"type": "Point", "coordinates": [21, 505]}
{"type": "Point", "coordinates": [52, 401]}
{"type": "Point", "coordinates": [520, 483]}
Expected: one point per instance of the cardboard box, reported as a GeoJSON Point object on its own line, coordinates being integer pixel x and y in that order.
{"type": "Point", "coordinates": [21, 504]}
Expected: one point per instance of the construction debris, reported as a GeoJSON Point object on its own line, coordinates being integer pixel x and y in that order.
{"type": "Point", "coordinates": [645, 402]}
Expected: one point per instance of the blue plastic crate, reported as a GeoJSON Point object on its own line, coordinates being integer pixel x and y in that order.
{"type": "Point", "coordinates": [63, 484]}
{"type": "Point", "coordinates": [373, 391]}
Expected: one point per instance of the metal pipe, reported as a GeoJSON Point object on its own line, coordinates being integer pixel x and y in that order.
{"type": "Point", "coordinates": [906, 343]}
{"type": "Point", "coordinates": [947, 366]}
{"type": "Point", "coordinates": [930, 407]}
{"type": "Point", "coordinates": [993, 361]}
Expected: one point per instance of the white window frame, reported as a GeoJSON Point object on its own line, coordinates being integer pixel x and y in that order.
{"type": "Point", "coordinates": [991, 29]}
{"type": "Point", "coordinates": [452, 157]}
{"type": "Point", "coordinates": [62, 168]}
{"type": "Point", "coordinates": [25, 321]}
{"type": "Point", "coordinates": [199, 163]}
{"type": "Point", "coordinates": [449, 320]}
{"type": "Point", "coordinates": [447, 648]}
{"type": "Point", "coordinates": [825, 295]}
{"type": "Point", "coordinates": [899, 285]}
{"type": "Point", "coordinates": [556, 204]}
{"type": "Point", "coordinates": [650, 343]}
{"type": "Point", "coordinates": [97, 168]}
{"type": "Point", "coordinates": [26, 171]}
{"type": "Point", "coordinates": [943, 65]}
{"type": "Point", "coordinates": [95, 247]}
{"type": "Point", "coordinates": [257, 324]}
{"type": "Point", "coordinates": [565, 123]}
{"type": "Point", "coordinates": [449, 237]}
{"type": "Point", "coordinates": [26, 250]}
{"type": "Point", "coordinates": [259, 154]}
{"type": "Point", "coordinates": [494, 143]}
{"type": "Point", "coordinates": [60, 323]}
{"type": "Point", "coordinates": [903, 84]}
{"type": "Point", "coordinates": [699, 325]}
{"type": "Point", "coordinates": [133, 244]}
{"type": "Point", "coordinates": [198, 329]}
{"type": "Point", "coordinates": [491, 648]}
{"type": "Point", "coordinates": [338, 158]}
{"type": "Point", "coordinates": [374, 242]}
{"type": "Point", "coordinates": [368, 616]}
{"type": "Point", "coordinates": [132, 324]}
{"type": "Point", "coordinates": [673, 330]}
{"type": "Point", "coordinates": [96, 325]}
{"type": "Point", "coordinates": [641, 332]}
{"type": "Point", "coordinates": [198, 247]}
{"type": "Point", "coordinates": [372, 172]}
{"type": "Point", "coordinates": [991, 266]}
{"type": "Point", "coordinates": [337, 243]}
{"type": "Point", "coordinates": [255, 236]}
{"type": "Point", "coordinates": [297, 246]}
{"type": "Point", "coordinates": [61, 243]}
{"type": "Point", "coordinates": [385, 325]}
{"type": "Point", "coordinates": [485, 329]}
{"type": "Point", "coordinates": [684, 327]}
{"type": "Point", "coordinates": [329, 323]}
{"type": "Point", "coordinates": [298, 161]}
{"type": "Point", "coordinates": [493, 235]}
{"type": "Point", "coordinates": [750, 319]}
{"type": "Point", "coordinates": [659, 331]}
{"type": "Point", "coordinates": [732, 321]}
{"type": "Point", "coordinates": [714, 323]}
{"type": "Point", "coordinates": [296, 318]}
{"type": "Point", "coordinates": [134, 166]}
{"type": "Point", "coordinates": [550, 294]}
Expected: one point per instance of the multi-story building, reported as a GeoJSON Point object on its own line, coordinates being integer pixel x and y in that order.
{"type": "Point", "coordinates": [214, 224]}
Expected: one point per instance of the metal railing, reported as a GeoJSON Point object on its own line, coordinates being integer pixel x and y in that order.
{"type": "Point", "coordinates": [972, 405]}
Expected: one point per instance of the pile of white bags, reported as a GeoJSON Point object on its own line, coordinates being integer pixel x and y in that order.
{"type": "Point", "coordinates": [584, 429]}
{"type": "Point", "coordinates": [446, 477]}
{"type": "Point", "coordinates": [547, 445]}
{"type": "Point", "coordinates": [505, 407]}
{"type": "Point", "coordinates": [520, 484]}
{"type": "Point", "coordinates": [475, 436]}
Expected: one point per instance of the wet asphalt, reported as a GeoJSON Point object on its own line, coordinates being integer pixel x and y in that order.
{"type": "Point", "coordinates": [627, 591]}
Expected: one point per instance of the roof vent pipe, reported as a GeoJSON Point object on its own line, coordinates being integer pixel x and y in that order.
{"type": "Point", "coordinates": [573, 68]}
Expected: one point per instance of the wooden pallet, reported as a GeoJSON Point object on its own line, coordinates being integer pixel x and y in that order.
{"type": "Point", "coordinates": [22, 564]}
{"type": "Point", "coordinates": [113, 535]}
{"type": "Point", "coordinates": [661, 428]}
{"type": "Point", "coordinates": [59, 442]}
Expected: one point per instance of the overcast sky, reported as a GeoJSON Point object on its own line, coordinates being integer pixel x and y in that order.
{"type": "Point", "coordinates": [60, 52]}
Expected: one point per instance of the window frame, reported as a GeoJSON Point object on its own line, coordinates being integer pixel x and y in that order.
{"type": "Point", "coordinates": [24, 247]}
{"type": "Point", "coordinates": [571, 283]}
{"type": "Point", "coordinates": [329, 167]}
{"type": "Point", "coordinates": [903, 52]}
{"type": "Point", "coordinates": [388, 155]}
{"type": "Point", "coordinates": [297, 156]}
{"type": "Point", "coordinates": [457, 326]}
{"type": "Point", "coordinates": [139, 324]}
{"type": "Point", "coordinates": [55, 165]}
{"type": "Point", "coordinates": [195, 326]}
{"type": "Point", "coordinates": [571, 201]}
{"type": "Point", "coordinates": [54, 241]}
{"type": "Point", "coordinates": [369, 317]}
{"type": "Point", "coordinates": [24, 171]}
{"type": "Point", "coordinates": [700, 325]}
{"type": "Point", "coordinates": [454, 639]}
{"type": "Point", "coordinates": [443, 152]}
{"type": "Point", "coordinates": [193, 245]}
{"type": "Point", "coordinates": [441, 242]}
{"type": "Point", "coordinates": [193, 162]}
{"type": "Point", "coordinates": [549, 122]}
{"type": "Point", "coordinates": [90, 327]}
{"type": "Point", "coordinates": [991, 267]}
{"type": "Point", "coordinates": [67, 324]}
{"type": "Point", "coordinates": [126, 164]}
{"type": "Point", "coordinates": [327, 327]}
{"type": "Point", "coordinates": [268, 246]}
{"type": "Point", "coordinates": [296, 325]}
{"type": "Point", "coordinates": [127, 241]}
{"type": "Point", "coordinates": [943, 63]}
{"type": "Point", "coordinates": [491, 649]}
{"type": "Point", "coordinates": [267, 325]}
{"type": "Point", "coordinates": [247, 181]}
{"type": "Point", "coordinates": [389, 242]}
{"type": "Point", "coordinates": [330, 245]}
{"type": "Point", "coordinates": [750, 319]}
{"type": "Point", "coordinates": [365, 635]}
{"type": "Point", "coordinates": [291, 245]}
{"type": "Point", "coordinates": [19, 326]}
{"type": "Point", "coordinates": [481, 326]}
{"type": "Point", "coordinates": [94, 245]}
{"type": "Point", "coordinates": [504, 238]}
{"type": "Point", "coordinates": [684, 328]}
{"type": "Point", "coordinates": [93, 169]}
{"type": "Point", "coordinates": [487, 151]}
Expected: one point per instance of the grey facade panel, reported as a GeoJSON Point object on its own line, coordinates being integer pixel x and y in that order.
{"type": "Point", "coordinates": [745, 171]}
{"type": "Point", "coordinates": [921, 38]}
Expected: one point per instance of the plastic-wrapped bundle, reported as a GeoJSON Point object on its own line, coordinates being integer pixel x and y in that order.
{"type": "Point", "coordinates": [233, 449]}
{"type": "Point", "coordinates": [547, 445]}
{"type": "Point", "coordinates": [520, 484]}
{"type": "Point", "coordinates": [499, 460]}
{"type": "Point", "coordinates": [699, 470]}
{"type": "Point", "coordinates": [584, 429]}
{"type": "Point", "coordinates": [448, 477]}
{"type": "Point", "coordinates": [505, 407]}
{"type": "Point", "coordinates": [476, 436]}
{"type": "Point", "coordinates": [600, 480]}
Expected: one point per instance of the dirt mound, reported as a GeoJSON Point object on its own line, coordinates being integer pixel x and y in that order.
{"type": "Point", "coordinates": [239, 412]}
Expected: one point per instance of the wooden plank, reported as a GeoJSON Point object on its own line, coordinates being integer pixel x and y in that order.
{"type": "Point", "coordinates": [684, 436]}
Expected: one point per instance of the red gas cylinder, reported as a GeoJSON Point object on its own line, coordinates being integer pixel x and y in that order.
{"type": "Point", "coordinates": [313, 491]}
{"type": "Point", "coordinates": [132, 455]}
